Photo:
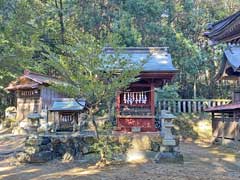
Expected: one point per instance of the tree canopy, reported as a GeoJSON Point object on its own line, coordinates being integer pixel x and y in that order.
{"type": "Point", "coordinates": [28, 27]}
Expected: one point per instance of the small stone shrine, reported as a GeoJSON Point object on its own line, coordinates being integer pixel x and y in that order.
{"type": "Point", "coordinates": [169, 150]}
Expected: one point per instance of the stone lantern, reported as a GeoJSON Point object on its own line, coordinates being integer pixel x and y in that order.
{"type": "Point", "coordinates": [167, 125]}
{"type": "Point", "coordinates": [34, 119]}
{"type": "Point", "coordinates": [169, 150]}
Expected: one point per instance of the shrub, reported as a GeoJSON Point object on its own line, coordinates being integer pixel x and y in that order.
{"type": "Point", "coordinates": [110, 147]}
{"type": "Point", "coordinates": [184, 126]}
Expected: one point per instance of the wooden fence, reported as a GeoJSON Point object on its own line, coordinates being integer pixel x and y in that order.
{"type": "Point", "coordinates": [189, 105]}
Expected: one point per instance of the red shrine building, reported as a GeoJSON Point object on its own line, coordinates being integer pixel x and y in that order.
{"type": "Point", "coordinates": [135, 107]}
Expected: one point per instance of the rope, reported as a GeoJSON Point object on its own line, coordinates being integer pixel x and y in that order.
{"type": "Point", "coordinates": [135, 91]}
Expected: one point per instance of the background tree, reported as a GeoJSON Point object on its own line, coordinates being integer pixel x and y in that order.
{"type": "Point", "coordinates": [179, 24]}
{"type": "Point", "coordinates": [89, 73]}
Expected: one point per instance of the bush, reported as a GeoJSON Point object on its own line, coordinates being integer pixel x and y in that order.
{"type": "Point", "coordinates": [110, 147]}
{"type": "Point", "coordinates": [193, 126]}
{"type": "Point", "coordinates": [184, 126]}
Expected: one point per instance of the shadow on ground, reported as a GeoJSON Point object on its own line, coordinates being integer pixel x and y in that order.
{"type": "Point", "coordinates": [202, 161]}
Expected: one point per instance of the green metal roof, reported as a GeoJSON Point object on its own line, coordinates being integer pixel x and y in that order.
{"type": "Point", "coordinates": [67, 104]}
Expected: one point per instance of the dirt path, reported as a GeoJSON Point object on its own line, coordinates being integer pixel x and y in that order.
{"type": "Point", "coordinates": [10, 144]}
{"type": "Point", "coordinates": [201, 162]}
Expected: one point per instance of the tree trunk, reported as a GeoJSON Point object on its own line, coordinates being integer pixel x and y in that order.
{"type": "Point", "coordinates": [195, 89]}
{"type": "Point", "coordinates": [110, 117]}
{"type": "Point", "coordinates": [60, 14]}
{"type": "Point", "coordinates": [92, 116]}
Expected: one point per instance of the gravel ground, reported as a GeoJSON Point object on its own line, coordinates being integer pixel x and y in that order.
{"type": "Point", "coordinates": [201, 161]}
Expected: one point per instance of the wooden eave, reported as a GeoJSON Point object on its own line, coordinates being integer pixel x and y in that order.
{"type": "Point", "coordinates": [158, 74]}
{"type": "Point", "coordinates": [224, 108]}
{"type": "Point", "coordinates": [226, 30]}
{"type": "Point", "coordinates": [30, 80]}
{"type": "Point", "coordinates": [22, 86]}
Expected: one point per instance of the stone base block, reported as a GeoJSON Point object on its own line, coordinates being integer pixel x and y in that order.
{"type": "Point", "coordinates": [40, 157]}
{"type": "Point", "coordinates": [169, 142]}
{"type": "Point", "coordinates": [169, 157]}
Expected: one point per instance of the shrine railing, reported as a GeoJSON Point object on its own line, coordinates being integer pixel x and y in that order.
{"type": "Point", "coordinates": [189, 105]}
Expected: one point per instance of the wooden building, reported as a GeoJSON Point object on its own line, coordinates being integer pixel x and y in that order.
{"type": "Point", "coordinates": [226, 118]}
{"type": "Point", "coordinates": [135, 107]}
{"type": "Point", "coordinates": [33, 94]}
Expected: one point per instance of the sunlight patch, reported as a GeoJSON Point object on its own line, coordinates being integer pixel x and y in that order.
{"type": "Point", "coordinates": [136, 156]}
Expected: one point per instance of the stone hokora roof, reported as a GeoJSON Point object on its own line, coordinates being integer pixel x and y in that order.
{"type": "Point", "coordinates": [226, 30]}
{"type": "Point", "coordinates": [230, 66]}
{"type": "Point", "coordinates": [157, 58]}
{"type": "Point", "coordinates": [30, 80]}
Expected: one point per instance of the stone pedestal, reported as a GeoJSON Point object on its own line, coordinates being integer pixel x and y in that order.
{"type": "Point", "coordinates": [169, 150]}
{"type": "Point", "coordinates": [43, 122]}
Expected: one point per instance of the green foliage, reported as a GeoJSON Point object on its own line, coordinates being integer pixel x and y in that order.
{"type": "Point", "coordinates": [193, 126]}
{"type": "Point", "coordinates": [126, 29]}
{"type": "Point", "coordinates": [107, 147]}
{"type": "Point", "coordinates": [87, 72]}
{"type": "Point", "coordinates": [168, 92]}
{"type": "Point", "coordinates": [106, 128]}
{"type": "Point", "coordinates": [90, 73]}
{"type": "Point", "coordinates": [110, 147]}
{"type": "Point", "coordinates": [29, 28]}
{"type": "Point", "coordinates": [184, 126]}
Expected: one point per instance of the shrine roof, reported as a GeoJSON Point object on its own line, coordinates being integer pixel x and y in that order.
{"type": "Point", "coordinates": [230, 66]}
{"type": "Point", "coordinates": [226, 107]}
{"type": "Point", "coordinates": [67, 104]}
{"type": "Point", "coordinates": [233, 56]}
{"type": "Point", "coordinates": [36, 80]}
{"type": "Point", "coordinates": [24, 86]}
{"type": "Point", "coordinates": [226, 30]}
{"type": "Point", "coordinates": [157, 58]}
{"type": "Point", "coordinates": [39, 78]}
